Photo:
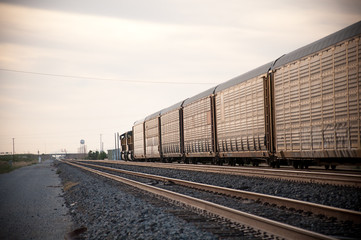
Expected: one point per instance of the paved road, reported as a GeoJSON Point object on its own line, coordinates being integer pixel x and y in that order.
{"type": "Point", "coordinates": [31, 206]}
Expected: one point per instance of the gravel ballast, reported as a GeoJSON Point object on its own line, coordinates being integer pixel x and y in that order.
{"type": "Point", "coordinates": [140, 223]}
{"type": "Point", "coordinates": [102, 209]}
{"type": "Point", "coordinates": [320, 224]}
{"type": "Point", "coordinates": [336, 196]}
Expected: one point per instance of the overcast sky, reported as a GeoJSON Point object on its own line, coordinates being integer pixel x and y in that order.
{"type": "Point", "coordinates": [72, 70]}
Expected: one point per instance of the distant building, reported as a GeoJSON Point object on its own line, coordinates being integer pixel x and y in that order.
{"type": "Point", "coordinates": [112, 154]}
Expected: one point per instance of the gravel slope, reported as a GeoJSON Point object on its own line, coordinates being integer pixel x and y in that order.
{"type": "Point", "coordinates": [113, 211]}
{"type": "Point", "coordinates": [109, 210]}
{"type": "Point", "coordinates": [337, 196]}
{"type": "Point", "coordinates": [327, 226]}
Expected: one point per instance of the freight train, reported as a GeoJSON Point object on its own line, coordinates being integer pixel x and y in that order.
{"type": "Point", "coordinates": [300, 109]}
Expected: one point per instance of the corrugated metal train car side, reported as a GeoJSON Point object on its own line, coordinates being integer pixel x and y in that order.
{"type": "Point", "coordinates": [317, 102]}
{"type": "Point", "coordinates": [240, 117]}
{"type": "Point", "coordinates": [197, 120]}
{"type": "Point", "coordinates": [138, 140]}
{"type": "Point", "coordinates": [171, 132]}
{"type": "Point", "coordinates": [152, 137]}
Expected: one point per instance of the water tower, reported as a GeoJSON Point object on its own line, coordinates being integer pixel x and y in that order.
{"type": "Point", "coordinates": [82, 148]}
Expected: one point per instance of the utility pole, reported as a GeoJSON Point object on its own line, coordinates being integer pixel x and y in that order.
{"type": "Point", "coordinates": [118, 149]}
{"type": "Point", "coordinates": [101, 147]}
{"type": "Point", "coordinates": [11, 161]}
{"type": "Point", "coordinates": [115, 155]}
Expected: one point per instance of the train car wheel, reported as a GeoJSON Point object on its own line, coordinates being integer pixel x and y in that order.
{"type": "Point", "coordinates": [306, 164]}
{"type": "Point", "coordinates": [232, 162]}
{"type": "Point", "coordinates": [278, 164]}
{"type": "Point", "coordinates": [301, 165]}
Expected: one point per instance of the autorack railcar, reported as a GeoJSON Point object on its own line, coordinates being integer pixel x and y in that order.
{"type": "Point", "coordinates": [139, 140]}
{"type": "Point", "coordinates": [317, 92]}
{"type": "Point", "coordinates": [172, 135]}
{"type": "Point", "coordinates": [199, 127]}
{"type": "Point", "coordinates": [301, 108]}
{"type": "Point", "coordinates": [241, 116]}
{"type": "Point", "coordinates": [152, 137]}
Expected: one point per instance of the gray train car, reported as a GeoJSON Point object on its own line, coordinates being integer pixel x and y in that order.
{"type": "Point", "coordinates": [152, 136]}
{"type": "Point", "coordinates": [198, 126]}
{"type": "Point", "coordinates": [317, 92]}
{"type": "Point", "coordinates": [240, 117]}
{"type": "Point", "coordinates": [138, 140]}
{"type": "Point", "coordinates": [171, 120]}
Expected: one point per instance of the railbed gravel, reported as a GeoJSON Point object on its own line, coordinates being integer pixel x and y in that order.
{"type": "Point", "coordinates": [336, 196]}
{"type": "Point", "coordinates": [320, 224]}
{"type": "Point", "coordinates": [103, 209]}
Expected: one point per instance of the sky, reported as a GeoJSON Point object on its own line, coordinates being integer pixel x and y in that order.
{"type": "Point", "coordinates": [86, 69]}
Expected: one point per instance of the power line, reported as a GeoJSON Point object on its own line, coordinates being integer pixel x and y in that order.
{"type": "Point", "coordinates": [58, 134]}
{"type": "Point", "coordinates": [100, 79]}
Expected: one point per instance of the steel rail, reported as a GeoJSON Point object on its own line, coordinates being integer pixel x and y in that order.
{"type": "Point", "coordinates": [353, 180]}
{"type": "Point", "coordinates": [339, 213]}
{"type": "Point", "coordinates": [256, 222]}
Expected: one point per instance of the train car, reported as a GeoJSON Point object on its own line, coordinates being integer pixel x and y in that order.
{"type": "Point", "coordinates": [241, 117]}
{"type": "Point", "coordinates": [152, 137]}
{"type": "Point", "coordinates": [139, 140]}
{"type": "Point", "coordinates": [126, 140]}
{"type": "Point", "coordinates": [171, 120]}
{"type": "Point", "coordinates": [302, 108]}
{"type": "Point", "coordinates": [317, 92]}
{"type": "Point", "coordinates": [198, 126]}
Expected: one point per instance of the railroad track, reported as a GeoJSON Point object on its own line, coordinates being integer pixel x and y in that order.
{"type": "Point", "coordinates": [317, 209]}
{"type": "Point", "coordinates": [269, 226]}
{"type": "Point", "coordinates": [340, 179]}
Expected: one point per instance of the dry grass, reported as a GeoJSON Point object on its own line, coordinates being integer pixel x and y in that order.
{"type": "Point", "coordinates": [23, 164]}
{"type": "Point", "coordinates": [5, 167]}
{"type": "Point", "coordinates": [69, 185]}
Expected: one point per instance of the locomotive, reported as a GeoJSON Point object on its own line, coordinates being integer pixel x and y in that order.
{"type": "Point", "coordinates": [300, 109]}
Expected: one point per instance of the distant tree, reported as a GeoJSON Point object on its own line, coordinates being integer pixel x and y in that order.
{"type": "Point", "coordinates": [93, 155]}
{"type": "Point", "coordinates": [103, 155]}
{"type": "Point", "coordinates": [96, 155]}
{"type": "Point", "coordinates": [90, 153]}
